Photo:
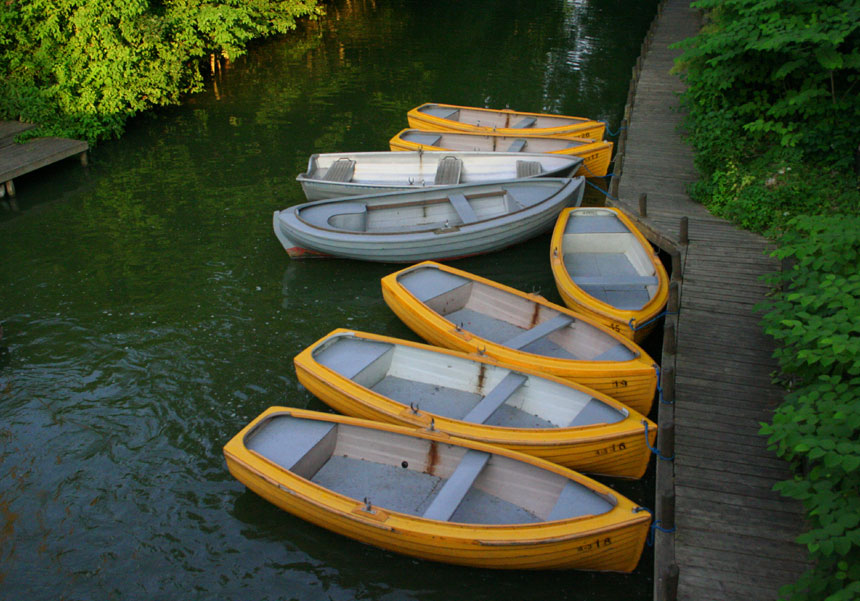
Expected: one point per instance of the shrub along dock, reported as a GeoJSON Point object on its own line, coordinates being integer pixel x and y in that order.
{"type": "Point", "coordinates": [723, 533]}
{"type": "Point", "coordinates": [19, 159]}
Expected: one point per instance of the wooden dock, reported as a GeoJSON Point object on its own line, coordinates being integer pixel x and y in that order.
{"type": "Point", "coordinates": [19, 159]}
{"type": "Point", "coordinates": [723, 533]}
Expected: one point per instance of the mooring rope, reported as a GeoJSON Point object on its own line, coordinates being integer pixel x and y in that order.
{"type": "Point", "coordinates": [655, 450]}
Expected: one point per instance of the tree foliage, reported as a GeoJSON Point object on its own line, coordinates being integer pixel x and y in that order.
{"type": "Point", "coordinates": [82, 67]}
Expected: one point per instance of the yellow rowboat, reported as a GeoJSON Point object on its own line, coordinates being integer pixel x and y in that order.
{"type": "Point", "coordinates": [604, 267]}
{"type": "Point", "coordinates": [451, 117]}
{"type": "Point", "coordinates": [412, 384]}
{"type": "Point", "coordinates": [595, 154]}
{"type": "Point", "coordinates": [456, 309]}
{"type": "Point", "coordinates": [436, 497]}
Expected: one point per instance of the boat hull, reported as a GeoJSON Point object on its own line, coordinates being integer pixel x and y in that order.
{"type": "Point", "coordinates": [618, 449]}
{"type": "Point", "coordinates": [596, 154]}
{"type": "Point", "coordinates": [442, 237]}
{"type": "Point", "coordinates": [636, 323]}
{"type": "Point", "coordinates": [503, 121]}
{"type": "Point", "coordinates": [610, 542]}
{"type": "Point", "coordinates": [387, 171]}
{"type": "Point", "coordinates": [633, 382]}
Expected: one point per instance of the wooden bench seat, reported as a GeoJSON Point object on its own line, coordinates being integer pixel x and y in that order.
{"type": "Point", "coordinates": [500, 393]}
{"type": "Point", "coordinates": [448, 171]}
{"type": "Point", "coordinates": [539, 331]}
{"type": "Point", "coordinates": [524, 123]}
{"type": "Point", "coordinates": [517, 145]}
{"type": "Point", "coordinates": [528, 168]}
{"type": "Point", "coordinates": [463, 208]}
{"type": "Point", "coordinates": [454, 490]}
{"type": "Point", "coordinates": [340, 171]}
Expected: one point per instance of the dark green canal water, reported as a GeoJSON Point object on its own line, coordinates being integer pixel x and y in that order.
{"type": "Point", "coordinates": [149, 312]}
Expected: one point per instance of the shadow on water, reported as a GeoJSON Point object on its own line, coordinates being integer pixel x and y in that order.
{"type": "Point", "coordinates": [149, 312]}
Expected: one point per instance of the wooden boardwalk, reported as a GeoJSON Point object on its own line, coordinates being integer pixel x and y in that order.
{"type": "Point", "coordinates": [19, 159]}
{"type": "Point", "coordinates": [733, 536]}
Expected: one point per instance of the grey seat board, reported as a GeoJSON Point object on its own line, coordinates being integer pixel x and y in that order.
{"type": "Point", "coordinates": [340, 171]}
{"type": "Point", "coordinates": [348, 356]}
{"type": "Point", "coordinates": [528, 168]}
{"type": "Point", "coordinates": [517, 145]}
{"type": "Point", "coordinates": [548, 348]}
{"type": "Point", "coordinates": [446, 501]}
{"type": "Point", "coordinates": [426, 283]}
{"type": "Point", "coordinates": [442, 112]}
{"type": "Point", "coordinates": [422, 138]}
{"type": "Point", "coordinates": [619, 352]}
{"type": "Point", "coordinates": [539, 331]}
{"type": "Point", "coordinates": [448, 171]}
{"type": "Point", "coordinates": [463, 208]}
{"type": "Point", "coordinates": [626, 300]}
{"type": "Point", "coordinates": [500, 393]}
{"type": "Point", "coordinates": [483, 325]}
{"type": "Point", "coordinates": [617, 281]}
{"type": "Point", "coordinates": [285, 440]}
{"type": "Point", "coordinates": [596, 412]}
{"type": "Point", "coordinates": [525, 122]}
{"type": "Point", "coordinates": [604, 264]}
{"type": "Point", "coordinates": [595, 224]}
{"type": "Point", "coordinates": [320, 214]}
{"type": "Point", "coordinates": [512, 417]}
{"type": "Point", "coordinates": [576, 500]}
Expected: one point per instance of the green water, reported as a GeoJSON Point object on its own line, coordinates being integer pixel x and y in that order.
{"type": "Point", "coordinates": [149, 312]}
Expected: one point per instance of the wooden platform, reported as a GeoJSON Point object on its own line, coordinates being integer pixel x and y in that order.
{"type": "Point", "coordinates": [19, 159]}
{"type": "Point", "coordinates": [733, 536]}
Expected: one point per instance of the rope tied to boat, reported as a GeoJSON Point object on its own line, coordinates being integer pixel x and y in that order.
{"type": "Point", "coordinates": [609, 129]}
{"type": "Point", "coordinates": [599, 189]}
{"type": "Point", "coordinates": [660, 386]}
{"type": "Point", "coordinates": [635, 327]}
{"type": "Point", "coordinates": [655, 525]}
{"type": "Point", "coordinates": [655, 450]}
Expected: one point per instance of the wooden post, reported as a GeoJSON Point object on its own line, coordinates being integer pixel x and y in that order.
{"type": "Point", "coordinates": [666, 508]}
{"type": "Point", "coordinates": [669, 583]}
{"type": "Point", "coordinates": [667, 382]}
{"type": "Point", "coordinates": [643, 205]}
{"type": "Point", "coordinates": [669, 342]}
{"type": "Point", "coordinates": [674, 303]}
{"type": "Point", "coordinates": [10, 188]}
{"type": "Point", "coordinates": [666, 446]}
{"type": "Point", "coordinates": [684, 237]}
{"type": "Point", "coordinates": [84, 160]}
{"type": "Point", "coordinates": [677, 267]}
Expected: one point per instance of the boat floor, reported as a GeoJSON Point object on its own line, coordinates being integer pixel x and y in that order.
{"type": "Point", "coordinates": [411, 492]}
{"type": "Point", "coordinates": [453, 403]}
{"type": "Point", "coordinates": [611, 266]}
{"type": "Point", "coordinates": [499, 330]}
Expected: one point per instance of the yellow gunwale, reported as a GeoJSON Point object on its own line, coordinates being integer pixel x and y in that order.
{"type": "Point", "coordinates": [581, 128]}
{"type": "Point", "coordinates": [593, 449]}
{"type": "Point", "coordinates": [560, 544]}
{"type": "Point", "coordinates": [632, 382]}
{"type": "Point", "coordinates": [596, 154]}
{"type": "Point", "coordinates": [578, 300]}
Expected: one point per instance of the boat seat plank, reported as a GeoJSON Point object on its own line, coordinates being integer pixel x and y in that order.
{"type": "Point", "coordinates": [517, 145]}
{"type": "Point", "coordinates": [425, 284]}
{"type": "Point", "coordinates": [524, 123]}
{"type": "Point", "coordinates": [448, 171]}
{"type": "Point", "coordinates": [463, 208]}
{"type": "Point", "coordinates": [595, 224]}
{"type": "Point", "coordinates": [626, 300]}
{"type": "Point", "coordinates": [616, 281]}
{"type": "Point", "coordinates": [528, 168]}
{"type": "Point", "coordinates": [299, 445]}
{"type": "Point", "coordinates": [539, 331]}
{"type": "Point", "coordinates": [422, 138]}
{"type": "Point", "coordinates": [443, 112]}
{"type": "Point", "coordinates": [596, 412]}
{"type": "Point", "coordinates": [576, 500]}
{"type": "Point", "coordinates": [321, 214]}
{"type": "Point", "coordinates": [606, 264]}
{"type": "Point", "coordinates": [619, 352]}
{"type": "Point", "coordinates": [340, 171]}
{"type": "Point", "coordinates": [348, 356]}
{"type": "Point", "coordinates": [447, 500]}
{"type": "Point", "coordinates": [500, 393]}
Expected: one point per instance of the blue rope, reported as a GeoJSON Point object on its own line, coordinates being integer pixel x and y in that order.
{"type": "Point", "coordinates": [645, 323]}
{"type": "Point", "coordinates": [610, 132]}
{"type": "Point", "coordinates": [655, 525]}
{"type": "Point", "coordinates": [608, 195]}
{"type": "Point", "coordinates": [654, 450]}
{"type": "Point", "coordinates": [660, 387]}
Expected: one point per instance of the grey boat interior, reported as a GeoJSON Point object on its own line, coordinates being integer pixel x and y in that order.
{"type": "Point", "coordinates": [509, 319]}
{"type": "Point", "coordinates": [461, 388]}
{"type": "Point", "coordinates": [607, 261]}
{"type": "Point", "coordinates": [495, 119]}
{"type": "Point", "coordinates": [419, 477]}
{"type": "Point", "coordinates": [422, 210]}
